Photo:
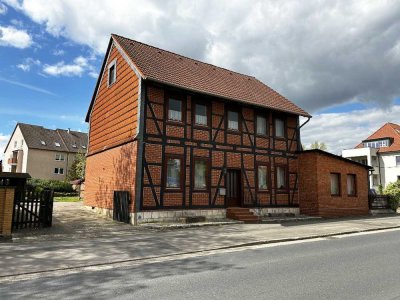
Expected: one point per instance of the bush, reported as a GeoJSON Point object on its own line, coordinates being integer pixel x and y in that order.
{"type": "Point", "coordinates": [55, 185]}
{"type": "Point", "coordinates": [393, 190]}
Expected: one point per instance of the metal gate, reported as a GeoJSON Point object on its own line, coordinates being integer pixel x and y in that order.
{"type": "Point", "coordinates": [33, 209]}
{"type": "Point", "coordinates": [121, 206]}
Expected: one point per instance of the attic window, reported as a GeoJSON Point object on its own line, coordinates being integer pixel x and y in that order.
{"type": "Point", "coordinates": [84, 147]}
{"type": "Point", "coordinates": [112, 72]}
{"type": "Point", "coordinates": [73, 146]}
{"type": "Point", "coordinates": [43, 143]}
{"type": "Point", "coordinates": [57, 144]}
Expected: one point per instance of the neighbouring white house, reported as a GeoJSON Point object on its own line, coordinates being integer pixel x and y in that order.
{"type": "Point", "coordinates": [381, 151]}
{"type": "Point", "coordinates": [41, 152]}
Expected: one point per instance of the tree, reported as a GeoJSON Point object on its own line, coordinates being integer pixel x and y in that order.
{"type": "Point", "coordinates": [318, 145]}
{"type": "Point", "coordinates": [77, 169]}
{"type": "Point", "coordinates": [393, 190]}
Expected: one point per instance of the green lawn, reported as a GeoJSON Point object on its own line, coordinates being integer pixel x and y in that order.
{"type": "Point", "coordinates": [66, 199]}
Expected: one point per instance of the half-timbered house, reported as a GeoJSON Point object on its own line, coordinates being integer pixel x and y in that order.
{"type": "Point", "coordinates": [185, 137]}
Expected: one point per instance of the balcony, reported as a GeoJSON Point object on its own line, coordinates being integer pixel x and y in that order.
{"type": "Point", "coordinates": [12, 161]}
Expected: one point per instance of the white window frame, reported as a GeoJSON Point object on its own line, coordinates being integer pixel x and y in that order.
{"type": "Point", "coordinates": [57, 171]}
{"type": "Point", "coordinates": [60, 157]}
{"type": "Point", "coordinates": [110, 65]}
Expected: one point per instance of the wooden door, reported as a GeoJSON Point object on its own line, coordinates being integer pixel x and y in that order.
{"type": "Point", "coordinates": [233, 188]}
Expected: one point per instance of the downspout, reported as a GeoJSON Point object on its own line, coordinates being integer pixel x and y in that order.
{"type": "Point", "coordinates": [379, 168]}
{"type": "Point", "coordinates": [140, 147]}
{"type": "Point", "coordinates": [299, 144]}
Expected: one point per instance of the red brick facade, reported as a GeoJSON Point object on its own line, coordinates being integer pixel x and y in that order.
{"type": "Point", "coordinates": [315, 168]}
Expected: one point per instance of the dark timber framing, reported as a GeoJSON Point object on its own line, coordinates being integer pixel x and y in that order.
{"type": "Point", "coordinates": [249, 146]}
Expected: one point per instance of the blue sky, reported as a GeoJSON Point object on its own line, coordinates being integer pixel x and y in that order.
{"type": "Point", "coordinates": [51, 53]}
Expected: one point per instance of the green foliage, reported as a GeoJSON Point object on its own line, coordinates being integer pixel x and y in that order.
{"type": "Point", "coordinates": [77, 170]}
{"type": "Point", "coordinates": [66, 199]}
{"type": "Point", "coordinates": [55, 185]}
{"type": "Point", "coordinates": [318, 145]}
{"type": "Point", "coordinates": [393, 190]}
{"type": "Point", "coordinates": [380, 189]}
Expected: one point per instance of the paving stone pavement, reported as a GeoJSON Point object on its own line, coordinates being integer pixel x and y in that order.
{"type": "Point", "coordinates": [82, 238]}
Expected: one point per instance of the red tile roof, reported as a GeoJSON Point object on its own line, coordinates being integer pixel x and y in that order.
{"type": "Point", "coordinates": [389, 130]}
{"type": "Point", "coordinates": [176, 70]}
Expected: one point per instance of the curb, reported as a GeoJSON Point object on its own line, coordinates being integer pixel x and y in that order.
{"type": "Point", "coordinates": [255, 243]}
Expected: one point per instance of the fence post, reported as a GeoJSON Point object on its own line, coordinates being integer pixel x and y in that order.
{"type": "Point", "coordinates": [6, 210]}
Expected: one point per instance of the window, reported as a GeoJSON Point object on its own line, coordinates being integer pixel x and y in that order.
{"type": "Point", "coordinates": [375, 181]}
{"type": "Point", "coordinates": [398, 161]}
{"type": "Point", "coordinates": [59, 171]}
{"type": "Point", "coordinates": [262, 177]}
{"type": "Point", "coordinates": [175, 110]}
{"type": "Point", "coordinates": [281, 182]}
{"type": "Point", "coordinates": [43, 143]}
{"type": "Point", "coordinates": [261, 125]}
{"type": "Point", "coordinates": [74, 146]}
{"type": "Point", "coordinates": [174, 173]}
{"type": "Point", "coordinates": [279, 128]}
{"type": "Point", "coordinates": [57, 144]}
{"type": "Point", "coordinates": [351, 185]}
{"type": "Point", "coordinates": [233, 120]}
{"type": "Point", "coordinates": [22, 143]}
{"type": "Point", "coordinates": [15, 144]}
{"type": "Point", "coordinates": [112, 73]}
{"type": "Point", "coordinates": [200, 114]}
{"type": "Point", "coordinates": [60, 157]}
{"type": "Point", "coordinates": [377, 144]}
{"type": "Point", "coordinates": [83, 147]}
{"type": "Point", "coordinates": [200, 174]}
{"type": "Point", "coordinates": [335, 184]}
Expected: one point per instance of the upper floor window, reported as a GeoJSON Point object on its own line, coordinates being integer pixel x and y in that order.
{"type": "Point", "coordinates": [377, 144]}
{"type": "Point", "coordinates": [15, 144]}
{"type": "Point", "coordinates": [60, 157]}
{"type": "Point", "coordinates": [233, 120]}
{"type": "Point", "coordinates": [335, 184]}
{"type": "Point", "coordinates": [261, 125]}
{"type": "Point", "coordinates": [200, 117]}
{"type": "Point", "coordinates": [175, 110]}
{"type": "Point", "coordinates": [112, 72]}
{"type": "Point", "coordinates": [397, 160]}
{"type": "Point", "coordinates": [351, 185]}
{"type": "Point", "coordinates": [279, 128]}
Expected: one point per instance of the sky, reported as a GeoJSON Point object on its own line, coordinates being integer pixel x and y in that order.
{"type": "Point", "coordinates": [339, 60]}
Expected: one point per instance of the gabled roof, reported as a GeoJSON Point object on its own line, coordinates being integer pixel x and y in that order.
{"type": "Point", "coordinates": [389, 130]}
{"type": "Point", "coordinates": [176, 70]}
{"type": "Point", "coordinates": [38, 137]}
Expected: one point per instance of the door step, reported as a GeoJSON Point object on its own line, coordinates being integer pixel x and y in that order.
{"type": "Point", "coordinates": [241, 214]}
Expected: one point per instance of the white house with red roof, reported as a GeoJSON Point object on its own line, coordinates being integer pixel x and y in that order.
{"type": "Point", "coordinates": [381, 151]}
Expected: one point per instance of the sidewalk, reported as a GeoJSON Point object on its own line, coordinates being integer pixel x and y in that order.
{"type": "Point", "coordinates": [135, 244]}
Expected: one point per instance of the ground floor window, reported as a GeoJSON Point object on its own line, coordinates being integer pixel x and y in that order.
{"type": "Point", "coordinates": [200, 174]}
{"type": "Point", "coordinates": [59, 171]}
{"type": "Point", "coordinates": [281, 175]}
{"type": "Point", "coordinates": [335, 184]}
{"type": "Point", "coordinates": [351, 185]}
{"type": "Point", "coordinates": [262, 177]}
{"type": "Point", "coordinates": [173, 172]}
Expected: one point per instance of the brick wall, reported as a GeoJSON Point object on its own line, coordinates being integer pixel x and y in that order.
{"type": "Point", "coordinates": [6, 210]}
{"type": "Point", "coordinates": [110, 170]}
{"type": "Point", "coordinates": [315, 168]}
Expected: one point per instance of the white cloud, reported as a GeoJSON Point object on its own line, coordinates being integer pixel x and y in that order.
{"type": "Point", "coordinates": [58, 52]}
{"type": "Point", "coordinates": [79, 66]}
{"type": "Point", "coordinates": [317, 53]}
{"type": "Point", "coordinates": [27, 86]}
{"type": "Point", "coordinates": [13, 37]}
{"type": "Point", "coordinates": [3, 9]}
{"type": "Point", "coordinates": [3, 143]}
{"type": "Point", "coordinates": [28, 63]}
{"type": "Point", "coordinates": [346, 130]}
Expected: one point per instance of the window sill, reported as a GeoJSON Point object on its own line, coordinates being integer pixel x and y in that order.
{"type": "Point", "coordinates": [172, 190]}
{"type": "Point", "coordinates": [175, 122]}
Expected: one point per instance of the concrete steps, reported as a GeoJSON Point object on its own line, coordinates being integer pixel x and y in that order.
{"type": "Point", "coordinates": [241, 214]}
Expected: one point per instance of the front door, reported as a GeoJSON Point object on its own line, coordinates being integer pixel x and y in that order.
{"type": "Point", "coordinates": [233, 188]}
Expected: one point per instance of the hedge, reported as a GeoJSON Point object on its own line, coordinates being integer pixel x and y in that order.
{"type": "Point", "coordinates": [55, 185]}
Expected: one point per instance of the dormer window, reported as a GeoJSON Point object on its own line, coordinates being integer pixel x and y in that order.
{"type": "Point", "coordinates": [84, 147]}
{"type": "Point", "coordinates": [377, 144]}
{"type": "Point", "coordinates": [57, 144]}
{"type": "Point", "coordinates": [43, 143]}
{"type": "Point", "coordinates": [112, 72]}
{"type": "Point", "coordinates": [74, 146]}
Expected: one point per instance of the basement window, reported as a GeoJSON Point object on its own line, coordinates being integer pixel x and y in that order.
{"type": "Point", "coordinates": [112, 72]}
{"type": "Point", "coordinates": [335, 184]}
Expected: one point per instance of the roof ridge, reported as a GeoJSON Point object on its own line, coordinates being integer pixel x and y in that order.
{"type": "Point", "coordinates": [187, 57]}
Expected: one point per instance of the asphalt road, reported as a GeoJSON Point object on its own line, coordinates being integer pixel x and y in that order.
{"type": "Point", "coordinates": [346, 267]}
